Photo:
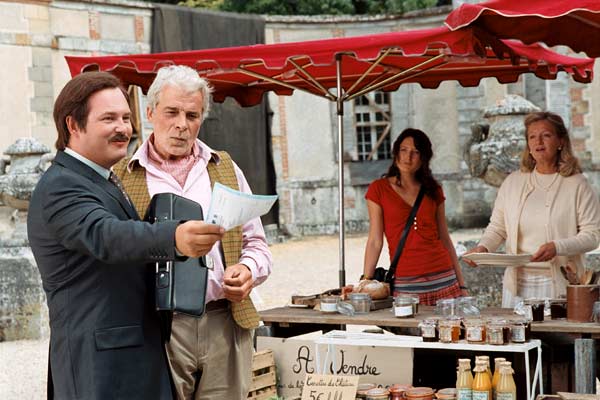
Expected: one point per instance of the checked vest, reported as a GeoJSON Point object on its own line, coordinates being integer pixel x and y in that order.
{"type": "Point", "coordinates": [244, 313]}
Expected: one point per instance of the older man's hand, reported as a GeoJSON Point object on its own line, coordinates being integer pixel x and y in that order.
{"type": "Point", "coordinates": [196, 238]}
{"type": "Point", "coordinates": [237, 282]}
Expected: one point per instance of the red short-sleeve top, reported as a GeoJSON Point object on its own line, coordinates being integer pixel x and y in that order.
{"type": "Point", "coordinates": [423, 252]}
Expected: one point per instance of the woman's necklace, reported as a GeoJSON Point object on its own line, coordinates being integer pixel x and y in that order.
{"type": "Point", "coordinates": [539, 185]}
{"type": "Point", "coordinates": [546, 188]}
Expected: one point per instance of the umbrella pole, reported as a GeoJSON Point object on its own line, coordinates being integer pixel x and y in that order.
{"type": "Point", "coordinates": [340, 124]}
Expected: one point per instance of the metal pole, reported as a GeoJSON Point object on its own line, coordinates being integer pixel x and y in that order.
{"type": "Point", "coordinates": [340, 123]}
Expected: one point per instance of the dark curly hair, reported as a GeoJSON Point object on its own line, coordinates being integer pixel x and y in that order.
{"type": "Point", "coordinates": [423, 174]}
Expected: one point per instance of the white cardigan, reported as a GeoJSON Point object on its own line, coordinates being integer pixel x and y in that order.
{"type": "Point", "coordinates": [572, 222]}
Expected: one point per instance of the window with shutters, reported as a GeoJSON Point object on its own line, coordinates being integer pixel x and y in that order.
{"type": "Point", "coordinates": [373, 123]}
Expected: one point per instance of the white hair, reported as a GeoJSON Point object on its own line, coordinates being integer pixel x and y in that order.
{"type": "Point", "coordinates": [184, 77]}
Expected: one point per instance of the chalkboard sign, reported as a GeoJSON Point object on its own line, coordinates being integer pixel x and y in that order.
{"type": "Point", "coordinates": [329, 387]}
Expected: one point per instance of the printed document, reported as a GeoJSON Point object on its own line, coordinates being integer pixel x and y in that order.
{"type": "Point", "coordinates": [230, 208]}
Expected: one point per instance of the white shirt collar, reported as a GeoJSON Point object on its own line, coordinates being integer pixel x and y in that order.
{"type": "Point", "coordinates": [103, 172]}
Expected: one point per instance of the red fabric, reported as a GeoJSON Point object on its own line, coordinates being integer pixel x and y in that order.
{"type": "Point", "coordinates": [427, 57]}
{"type": "Point", "coordinates": [424, 251]}
{"type": "Point", "coordinates": [574, 23]}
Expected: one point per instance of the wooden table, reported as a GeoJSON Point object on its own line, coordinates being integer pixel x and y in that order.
{"type": "Point", "coordinates": [292, 321]}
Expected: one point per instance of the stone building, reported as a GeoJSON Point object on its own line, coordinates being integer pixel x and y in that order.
{"type": "Point", "coordinates": [35, 35]}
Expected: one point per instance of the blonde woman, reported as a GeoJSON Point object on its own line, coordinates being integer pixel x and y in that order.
{"type": "Point", "coordinates": [547, 208]}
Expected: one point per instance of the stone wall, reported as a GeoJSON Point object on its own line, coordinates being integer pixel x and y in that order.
{"type": "Point", "coordinates": [36, 35]}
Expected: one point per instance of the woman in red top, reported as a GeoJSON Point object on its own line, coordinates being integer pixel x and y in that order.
{"type": "Point", "coordinates": [428, 266]}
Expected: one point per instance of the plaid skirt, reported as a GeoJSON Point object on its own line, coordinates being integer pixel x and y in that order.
{"type": "Point", "coordinates": [429, 287]}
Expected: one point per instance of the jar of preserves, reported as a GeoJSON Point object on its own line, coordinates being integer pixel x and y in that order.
{"type": "Point", "coordinates": [558, 309]}
{"type": "Point", "coordinates": [449, 330]}
{"type": "Point", "coordinates": [378, 394]}
{"type": "Point", "coordinates": [475, 330]}
{"type": "Point", "coordinates": [446, 394]}
{"type": "Point", "coordinates": [495, 332]}
{"type": "Point", "coordinates": [397, 391]}
{"type": "Point", "coordinates": [520, 331]}
{"type": "Point", "coordinates": [429, 330]}
{"type": "Point", "coordinates": [403, 307]}
{"type": "Point", "coordinates": [419, 393]}
{"type": "Point", "coordinates": [537, 309]}
{"type": "Point", "coordinates": [363, 388]}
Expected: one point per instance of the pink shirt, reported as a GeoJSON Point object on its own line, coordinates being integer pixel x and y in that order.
{"type": "Point", "coordinates": [255, 251]}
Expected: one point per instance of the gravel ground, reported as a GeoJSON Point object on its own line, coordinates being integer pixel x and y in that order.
{"type": "Point", "coordinates": [306, 266]}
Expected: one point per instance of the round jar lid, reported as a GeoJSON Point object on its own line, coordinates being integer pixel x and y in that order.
{"type": "Point", "coordinates": [418, 392]}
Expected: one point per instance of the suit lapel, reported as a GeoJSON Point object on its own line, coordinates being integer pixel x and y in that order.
{"type": "Point", "coordinates": [73, 164]}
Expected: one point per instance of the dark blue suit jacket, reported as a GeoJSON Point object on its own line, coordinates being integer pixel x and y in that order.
{"type": "Point", "coordinates": [93, 253]}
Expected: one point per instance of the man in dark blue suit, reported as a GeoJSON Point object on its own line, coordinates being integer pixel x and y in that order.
{"type": "Point", "coordinates": [93, 251]}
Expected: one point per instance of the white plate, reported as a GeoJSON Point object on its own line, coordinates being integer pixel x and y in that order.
{"type": "Point", "coordinates": [498, 259]}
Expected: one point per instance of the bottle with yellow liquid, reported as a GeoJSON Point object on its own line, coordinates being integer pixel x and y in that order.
{"type": "Point", "coordinates": [464, 380]}
{"type": "Point", "coordinates": [496, 375]}
{"type": "Point", "coordinates": [506, 389]}
{"type": "Point", "coordinates": [482, 384]}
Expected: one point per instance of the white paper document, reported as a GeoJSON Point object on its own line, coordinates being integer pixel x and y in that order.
{"type": "Point", "coordinates": [230, 208]}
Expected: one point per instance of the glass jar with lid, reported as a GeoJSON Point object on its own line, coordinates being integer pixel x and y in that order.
{"type": "Point", "coordinates": [467, 307]}
{"type": "Point", "coordinates": [429, 331]}
{"type": "Point", "coordinates": [495, 332]}
{"type": "Point", "coordinates": [475, 330]}
{"type": "Point", "coordinates": [404, 307]}
{"type": "Point", "coordinates": [558, 308]}
{"type": "Point", "coordinates": [537, 309]}
{"type": "Point", "coordinates": [328, 304]}
{"type": "Point", "coordinates": [360, 301]}
{"type": "Point", "coordinates": [397, 391]}
{"type": "Point", "coordinates": [446, 394]}
{"type": "Point", "coordinates": [363, 388]}
{"type": "Point", "coordinates": [520, 331]}
{"type": "Point", "coordinates": [419, 393]}
{"type": "Point", "coordinates": [449, 329]}
{"type": "Point", "coordinates": [445, 307]}
{"type": "Point", "coordinates": [378, 394]}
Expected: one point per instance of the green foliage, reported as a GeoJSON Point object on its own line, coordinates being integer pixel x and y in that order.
{"type": "Point", "coordinates": [310, 7]}
{"type": "Point", "coordinates": [211, 4]}
{"type": "Point", "coordinates": [289, 7]}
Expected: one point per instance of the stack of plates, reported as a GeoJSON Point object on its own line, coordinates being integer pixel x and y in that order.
{"type": "Point", "coordinates": [498, 259]}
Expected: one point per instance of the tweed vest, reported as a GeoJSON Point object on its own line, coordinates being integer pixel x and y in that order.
{"type": "Point", "coordinates": [244, 313]}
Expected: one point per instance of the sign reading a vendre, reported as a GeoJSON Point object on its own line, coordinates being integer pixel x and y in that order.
{"type": "Point", "coordinates": [296, 357]}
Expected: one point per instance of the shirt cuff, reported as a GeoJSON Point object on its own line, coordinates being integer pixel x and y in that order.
{"type": "Point", "coordinates": [251, 264]}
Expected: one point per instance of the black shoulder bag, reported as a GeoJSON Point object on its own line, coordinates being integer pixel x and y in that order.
{"type": "Point", "coordinates": [388, 276]}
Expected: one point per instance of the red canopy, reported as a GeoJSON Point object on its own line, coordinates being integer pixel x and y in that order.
{"type": "Point", "coordinates": [371, 62]}
{"type": "Point", "coordinates": [574, 23]}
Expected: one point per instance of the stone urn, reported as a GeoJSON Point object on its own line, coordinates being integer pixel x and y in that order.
{"type": "Point", "coordinates": [495, 147]}
{"type": "Point", "coordinates": [23, 311]}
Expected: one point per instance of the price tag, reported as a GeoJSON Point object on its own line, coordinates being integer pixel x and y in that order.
{"type": "Point", "coordinates": [329, 387]}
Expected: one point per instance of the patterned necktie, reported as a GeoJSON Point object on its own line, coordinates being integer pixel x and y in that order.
{"type": "Point", "coordinates": [117, 182]}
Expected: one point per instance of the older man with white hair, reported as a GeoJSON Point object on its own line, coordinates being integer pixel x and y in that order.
{"type": "Point", "coordinates": [211, 356]}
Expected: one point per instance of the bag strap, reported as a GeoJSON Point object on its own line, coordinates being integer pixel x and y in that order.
{"type": "Point", "coordinates": [389, 277]}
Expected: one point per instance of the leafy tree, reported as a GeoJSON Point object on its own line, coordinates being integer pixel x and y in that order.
{"type": "Point", "coordinates": [310, 7]}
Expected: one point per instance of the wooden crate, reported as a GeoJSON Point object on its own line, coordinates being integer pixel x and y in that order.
{"type": "Point", "coordinates": [264, 382]}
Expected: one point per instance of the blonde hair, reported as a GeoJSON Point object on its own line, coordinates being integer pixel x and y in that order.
{"type": "Point", "coordinates": [568, 163]}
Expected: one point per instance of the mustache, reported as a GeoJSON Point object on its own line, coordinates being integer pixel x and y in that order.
{"type": "Point", "coordinates": [119, 137]}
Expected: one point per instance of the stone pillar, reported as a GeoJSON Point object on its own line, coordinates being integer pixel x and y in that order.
{"type": "Point", "coordinates": [23, 310]}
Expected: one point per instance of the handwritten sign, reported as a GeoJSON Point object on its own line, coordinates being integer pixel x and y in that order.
{"type": "Point", "coordinates": [329, 387]}
{"type": "Point", "coordinates": [296, 357]}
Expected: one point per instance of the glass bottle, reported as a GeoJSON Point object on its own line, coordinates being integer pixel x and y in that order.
{"type": "Point", "coordinates": [464, 380]}
{"type": "Point", "coordinates": [496, 376]}
{"type": "Point", "coordinates": [485, 359]}
{"type": "Point", "coordinates": [506, 389]}
{"type": "Point", "coordinates": [482, 384]}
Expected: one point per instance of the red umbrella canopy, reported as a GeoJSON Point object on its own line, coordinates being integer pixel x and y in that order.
{"type": "Point", "coordinates": [372, 62]}
{"type": "Point", "coordinates": [574, 23]}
